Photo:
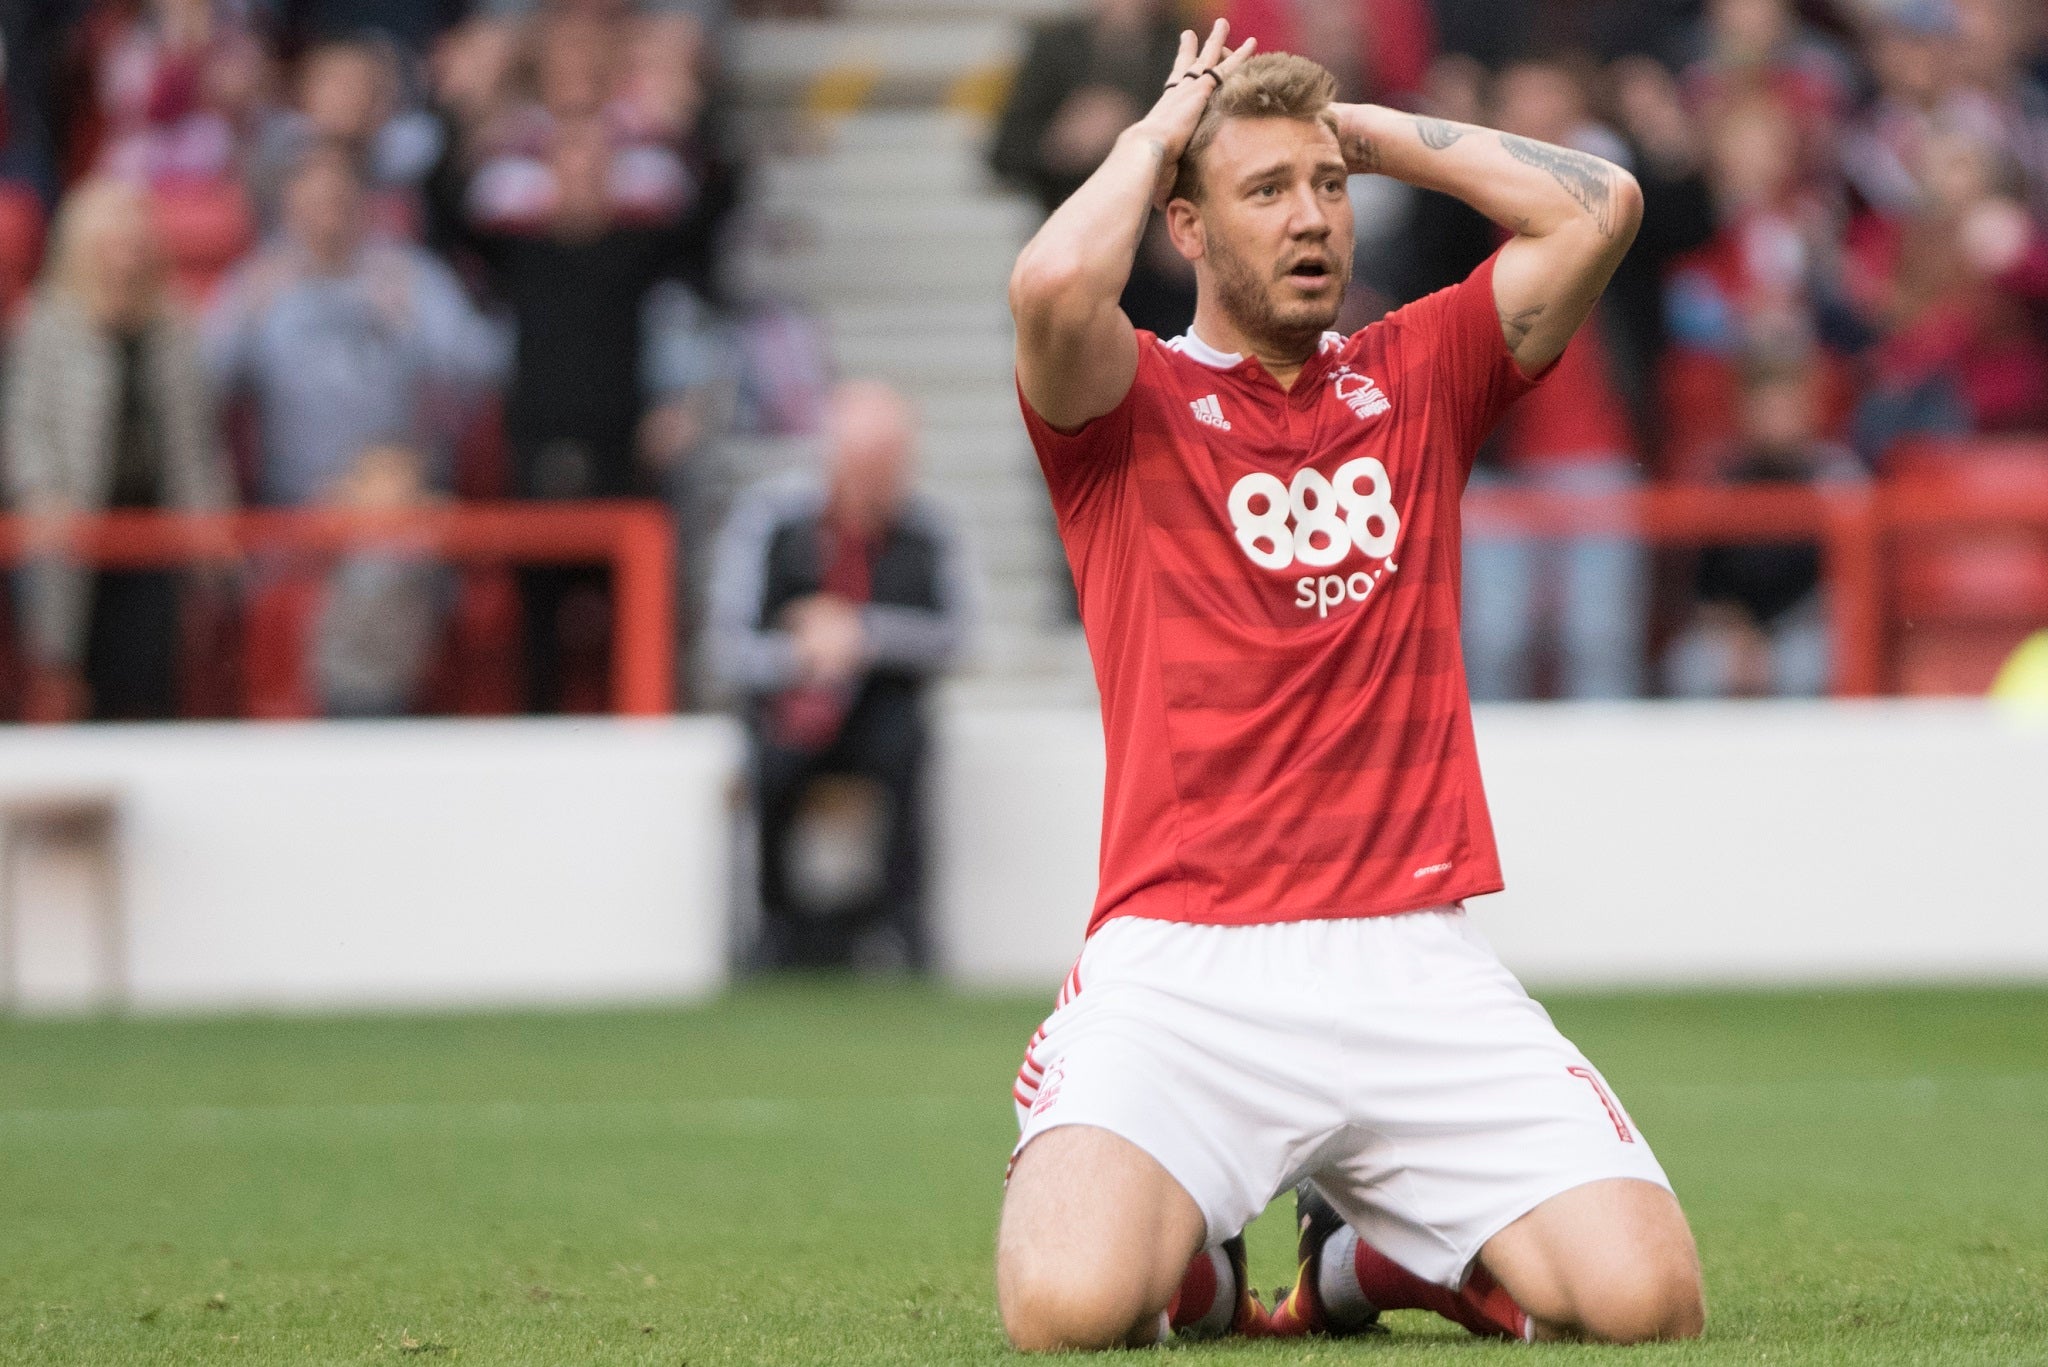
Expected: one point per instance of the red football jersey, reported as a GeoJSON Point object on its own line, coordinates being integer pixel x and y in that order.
{"type": "Point", "coordinates": [1268, 580]}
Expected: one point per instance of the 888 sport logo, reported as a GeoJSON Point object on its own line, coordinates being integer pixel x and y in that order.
{"type": "Point", "coordinates": [1317, 522]}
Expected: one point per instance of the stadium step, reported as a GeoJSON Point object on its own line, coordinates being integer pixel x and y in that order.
{"type": "Point", "coordinates": [887, 223]}
{"type": "Point", "coordinates": [905, 59]}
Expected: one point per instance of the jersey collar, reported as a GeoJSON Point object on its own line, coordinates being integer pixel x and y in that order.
{"type": "Point", "coordinates": [1195, 349]}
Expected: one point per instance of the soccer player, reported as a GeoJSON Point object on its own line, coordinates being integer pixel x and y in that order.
{"type": "Point", "coordinates": [1279, 984]}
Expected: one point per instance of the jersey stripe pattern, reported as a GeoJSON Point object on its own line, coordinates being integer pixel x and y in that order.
{"type": "Point", "coordinates": [1268, 580]}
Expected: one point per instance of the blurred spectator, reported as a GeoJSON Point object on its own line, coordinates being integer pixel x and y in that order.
{"type": "Point", "coordinates": [1759, 628]}
{"type": "Point", "coordinates": [1083, 81]}
{"type": "Point", "coordinates": [383, 604]}
{"type": "Point", "coordinates": [344, 340]}
{"type": "Point", "coordinates": [1770, 278]}
{"type": "Point", "coordinates": [1946, 285]}
{"type": "Point", "coordinates": [834, 606]}
{"type": "Point", "coordinates": [577, 283]}
{"type": "Point", "coordinates": [180, 85]}
{"type": "Point", "coordinates": [1573, 434]}
{"type": "Point", "coordinates": [471, 71]}
{"type": "Point", "coordinates": [1993, 41]}
{"type": "Point", "coordinates": [1761, 49]}
{"type": "Point", "coordinates": [1756, 282]}
{"type": "Point", "coordinates": [633, 79]}
{"type": "Point", "coordinates": [1665, 150]}
{"type": "Point", "coordinates": [107, 406]}
{"type": "Point", "coordinates": [349, 96]}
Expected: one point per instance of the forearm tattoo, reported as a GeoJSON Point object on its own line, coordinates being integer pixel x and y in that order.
{"type": "Point", "coordinates": [1437, 134]}
{"type": "Point", "coordinates": [1361, 154]}
{"type": "Point", "coordinates": [1588, 180]}
{"type": "Point", "coordinates": [1515, 327]}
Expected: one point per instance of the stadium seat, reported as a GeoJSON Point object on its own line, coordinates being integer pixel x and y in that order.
{"type": "Point", "coordinates": [206, 228]}
{"type": "Point", "coordinates": [477, 670]}
{"type": "Point", "coordinates": [1962, 600]}
{"type": "Point", "coordinates": [277, 634]}
{"type": "Point", "coordinates": [21, 243]}
{"type": "Point", "coordinates": [1936, 659]}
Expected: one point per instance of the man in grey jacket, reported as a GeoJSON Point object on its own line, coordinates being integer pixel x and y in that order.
{"type": "Point", "coordinates": [834, 604]}
{"type": "Point", "coordinates": [345, 342]}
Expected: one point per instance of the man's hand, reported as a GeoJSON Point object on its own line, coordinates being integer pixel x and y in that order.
{"type": "Point", "coordinates": [1197, 74]}
{"type": "Point", "coordinates": [1077, 353]}
{"type": "Point", "coordinates": [830, 641]}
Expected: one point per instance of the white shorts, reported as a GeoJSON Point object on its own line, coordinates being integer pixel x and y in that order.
{"type": "Point", "coordinates": [1394, 1060]}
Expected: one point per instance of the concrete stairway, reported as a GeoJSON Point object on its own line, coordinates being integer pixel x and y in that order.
{"type": "Point", "coordinates": [879, 215]}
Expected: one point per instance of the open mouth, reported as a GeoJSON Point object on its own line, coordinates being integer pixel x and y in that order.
{"type": "Point", "coordinates": [1311, 274]}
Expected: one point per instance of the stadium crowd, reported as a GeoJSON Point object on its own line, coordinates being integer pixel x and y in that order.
{"type": "Point", "coordinates": [1844, 249]}
{"type": "Point", "coordinates": [356, 253]}
{"type": "Point", "coordinates": [390, 253]}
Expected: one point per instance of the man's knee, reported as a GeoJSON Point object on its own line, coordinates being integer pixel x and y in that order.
{"type": "Point", "coordinates": [1611, 1261]}
{"type": "Point", "coordinates": [1047, 1307]}
{"type": "Point", "coordinates": [1655, 1300]}
{"type": "Point", "coordinates": [1643, 1304]}
{"type": "Point", "coordinates": [1094, 1239]}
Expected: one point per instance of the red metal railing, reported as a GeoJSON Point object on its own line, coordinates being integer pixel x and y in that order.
{"type": "Point", "coordinates": [1854, 526]}
{"type": "Point", "coordinates": [635, 539]}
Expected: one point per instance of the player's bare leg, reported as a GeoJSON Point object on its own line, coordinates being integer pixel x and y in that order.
{"type": "Point", "coordinates": [1612, 1261]}
{"type": "Point", "coordinates": [1095, 1243]}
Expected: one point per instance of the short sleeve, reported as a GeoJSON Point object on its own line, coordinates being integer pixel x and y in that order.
{"type": "Point", "coordinates": [1475, 376]}
{"type": "Point", "coordinates": [1075, 462]}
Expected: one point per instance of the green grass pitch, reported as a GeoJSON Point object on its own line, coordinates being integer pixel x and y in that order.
{"type": "Point", "coordinates": [809, 1174]}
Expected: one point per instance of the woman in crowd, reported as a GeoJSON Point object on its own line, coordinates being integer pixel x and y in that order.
{"type": "Point", "coordinates": [106, 407]}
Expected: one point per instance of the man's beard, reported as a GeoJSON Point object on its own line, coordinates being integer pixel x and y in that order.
{"type": "Point", "coordinates": [1247, 298]}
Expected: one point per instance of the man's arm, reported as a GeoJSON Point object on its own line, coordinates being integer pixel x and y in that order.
{"type": "Point", "coordinates": [750, 655]}
{"type": "Point", "coordinates": [1077, 353]}
{"type": "Point", "coordinates": [1572, 215]}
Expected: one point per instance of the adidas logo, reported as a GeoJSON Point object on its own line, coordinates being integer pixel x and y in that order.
{"type": "Point", "coordinates": [1206, 409]}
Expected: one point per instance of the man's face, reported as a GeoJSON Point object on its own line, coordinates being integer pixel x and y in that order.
{"type": "Point", "coordinates": [871, 434]}
{"type": "Point", "coordinates": [343, 93]}
{"type": "Point", "coordinates": [1272, 233]}
{"type": "Point", "coordinates": [323, 209]}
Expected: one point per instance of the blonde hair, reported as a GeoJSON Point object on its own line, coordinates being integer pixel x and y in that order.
{"type": "Point", "coordinates": [87, 214]}
{"type": "Point", "coordinates": [1271, 85]}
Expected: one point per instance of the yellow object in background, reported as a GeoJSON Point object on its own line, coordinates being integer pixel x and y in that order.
{"type": "Point", "coordinates": [2023, 678]}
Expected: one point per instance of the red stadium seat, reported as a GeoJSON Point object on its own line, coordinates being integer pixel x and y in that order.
{"type": "Point", "coordinates": [1944, 660]}
{"type": "Point", "coordinates": [1962, 600]}
{"type": "Point", "coordinates": [477, 671]}
{"type": "Point", "coordinates": [206, 228]}
{"type": "Point", "coordinates": [276, 639]}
